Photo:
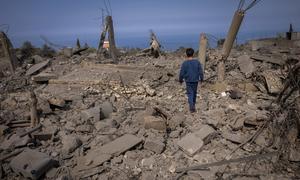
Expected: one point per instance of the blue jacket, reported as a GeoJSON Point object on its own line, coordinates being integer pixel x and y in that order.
{"type": "Point", "coordinates": [191, 71]}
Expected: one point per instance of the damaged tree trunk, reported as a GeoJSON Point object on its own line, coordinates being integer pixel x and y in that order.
{"type": "Point", "coordinates": [108, 28]}
{"type": "Point", "coordinates": [33, 110]}
{"type": "Point", "coordinates": [231, 36]}
{"type": "Point", "coordinates": [202, 50]}
{"type": "Point", "coordinates": [111, 38]}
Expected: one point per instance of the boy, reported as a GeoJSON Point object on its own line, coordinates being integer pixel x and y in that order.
{"type": "Point", "coordinates": [191, 72]}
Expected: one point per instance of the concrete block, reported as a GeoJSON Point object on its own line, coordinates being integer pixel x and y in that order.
{"type": "Point", "coordinates": [190, 144]}
{"type": "Point", "coordinates": [156, 146]}
{"type": "Point", "coordinates": [4, 129]}
{"type": "Point", "coordinates": [35, 68]}
{"type": "Point", "coordinates": [206, 133]}
{"type": "Point", "coordinates": [56, 101]}
{"type": "Point", "coordinates": [94, 113]}
{"type": "Point", "coordinates": [176, 121]}
{"type": "Point", "coordinates": [106, 109]}
{"type": "Point", "coordinates": [70, 143]}
{"type": "Point", "coordinates": [151, 122]}
{"type": "Point", "coordinates": [43, 77]}
{"type": "Point", "coordinates": [246, 65]}
{"type": "Point", "coordinates": [31, 164]}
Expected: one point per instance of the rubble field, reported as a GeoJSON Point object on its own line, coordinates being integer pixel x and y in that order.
{"type": "Point", "coordinates": [130, 120]}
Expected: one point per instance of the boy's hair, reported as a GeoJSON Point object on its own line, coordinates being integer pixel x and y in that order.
{"type": "Point", "coordinates": [189, 52]}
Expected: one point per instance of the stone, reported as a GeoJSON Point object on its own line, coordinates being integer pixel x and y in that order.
{"type": "Point", "coordinates": [154, 145]}
{"type": "Point", "coordinates": [44, 106]}
{"type": "Point", "coordinates": [214, 117]}
{"type": "Point", "coordinates": [94, 113]}
{"type": "Point", "coordinates": [37, 67]}
{"type": "Point", "coordinates": [148, 162]}
{"type": "Point", "coordinates": [206, 133]}
{"type": "Point", "coordinates": [70, 143]}
{"type": "Point", "coordinates": [246, 65]}
{"type": "Point", "coordinates": [151, 122]}
{"type": "Point", "coordinates": [106, 109]}
{"type": "Point", "coordinates": [15, 141]}
{"type": "Point", "coordinates": [37, 59]}
{"type": "Point", "coordinates": [84, 128]}
{"type": "Point", "coordinates": [294, 154]}
{"type": "Point", "coordinates": [32, 164]}
{"type": "Point", "coordinates": [269, 59]}
{"type": "Point", "coordinates": [4, 130]}
{"type": "Point", "coordinates": [235, 94]}
{"type": "Point", "coordinates": [273, 80]}
{"type": "Point", "coordinates": [238, 124]}
{"type": "Point", "coordinates": [235, 138]}
{"type": "Point", "coordinates": [190, 144]}
{"type": "Point", "coordinates": [176, 121]}
{"type": "Point", "coordinates": [56, 101]}
{"type": "Point", "coordinates": [204, 157]}
{"type": "Point", "coordinates": [43, 77]}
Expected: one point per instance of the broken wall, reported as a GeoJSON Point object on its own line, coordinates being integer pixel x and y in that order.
{"type": "Point", "coordinates": [8, 59]}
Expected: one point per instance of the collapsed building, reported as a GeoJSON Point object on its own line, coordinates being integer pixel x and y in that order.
{"type": "Point", "coordinates": [8, 59]}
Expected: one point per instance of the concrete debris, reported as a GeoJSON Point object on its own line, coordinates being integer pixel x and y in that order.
{"type": "Point", "coordinates": [43, 77]}
{"type": "Point", "coordinates": [4, 130]}
{"type": "Point", "coordinates": [70, 143]}
{"type": "Point", "coordinates": [31, 164]}
{"type": "Point", "coordinates": [106, 109]}
{"type": "Point", "coordinates": [176, 121]}
{"type": "Point", "coordinates": [273, 80]}
{"type": "Point", "coordinates": [246, 65]}
{"type": "Point", "coordinates": [269, 59]}
{"type": "Point", "coordinates": [151, 122]}
{"type": "Point", "coordinates": [57, 101]}
{"type": "Point", "coordinates": [104, 153]}
{"type": "Point", "coordinates": [206, 133]}
{"type": "Point", "coordinates": [94, 113]}
{"type": "Point", "coordinates": [130, 120]}
{"type": "Point", "coordinates": [37, 67]}
{"type": "Point", "coordinates": [154, 145]}
{"type": "Point", "coordinates": [190, 144]}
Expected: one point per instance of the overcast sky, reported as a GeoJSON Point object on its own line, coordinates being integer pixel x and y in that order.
{"type": "Point", "coordinates": [57, 19]}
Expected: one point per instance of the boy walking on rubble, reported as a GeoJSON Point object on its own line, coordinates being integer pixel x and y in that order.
{"type": "Point", "coordinates": [191, 72]}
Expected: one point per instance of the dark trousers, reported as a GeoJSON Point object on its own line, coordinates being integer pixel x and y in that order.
{"type": "Point", "coordinates": [191, 91]}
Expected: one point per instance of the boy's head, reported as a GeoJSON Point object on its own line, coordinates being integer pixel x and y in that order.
{"type": "Point", "coordinates": [189, 52]}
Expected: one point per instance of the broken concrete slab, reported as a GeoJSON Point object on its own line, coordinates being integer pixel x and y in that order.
{"type": "Point", "coordinates": [154, 145]}
{"type": "Point", "coordinates": [37, 67]}
{"type": "Point", "coordinates": [57, 101]}
{"type": "Point", "coordinates": [294, 154]}
{"type": "Point", "coordinates": [15, 141]}
{"type": "Point", "coordinates": [104, 153]}
{"type": "Point", "coordinates": [94, 113]}
{"type": "Point", "coordinates": [43, 77]}
{"type": "Point", "coordinates": [246, 65]}
{"type": "Point", "coordinates": [70, 143]}
{"type": "Point", "coordinates": [37, 59]}
{"type": "Point", "coordinates": [190, 144]}
{"type": "Point", "coordinates": [206, 133]}
{"type": "Point", "coordinates": [273, 80]}
{"type": "Point", "coordinates": [233, 137]}
{"type": "Point", "coordinates": [151, 122]}
{"type": "Point", "coordinates": [4, 130]}
{"type": "Point", "coordinates": [31, 164]}
{"type": "Point", "coordinates": [272, 60]}
{"type": "Point", "coordinates": [214, 117]}
{"type": "Point", "coordinates": [84, 128]}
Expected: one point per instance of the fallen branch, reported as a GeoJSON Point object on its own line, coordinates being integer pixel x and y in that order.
{"type": "Point", "coordinates": [31, 131]}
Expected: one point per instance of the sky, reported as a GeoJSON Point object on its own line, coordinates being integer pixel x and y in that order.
{"type": "Point", "coordinates": [175, 22]}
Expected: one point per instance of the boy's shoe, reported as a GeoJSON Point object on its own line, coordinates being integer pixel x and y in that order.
{"type": "Point", "coordinates": [192, 110]}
